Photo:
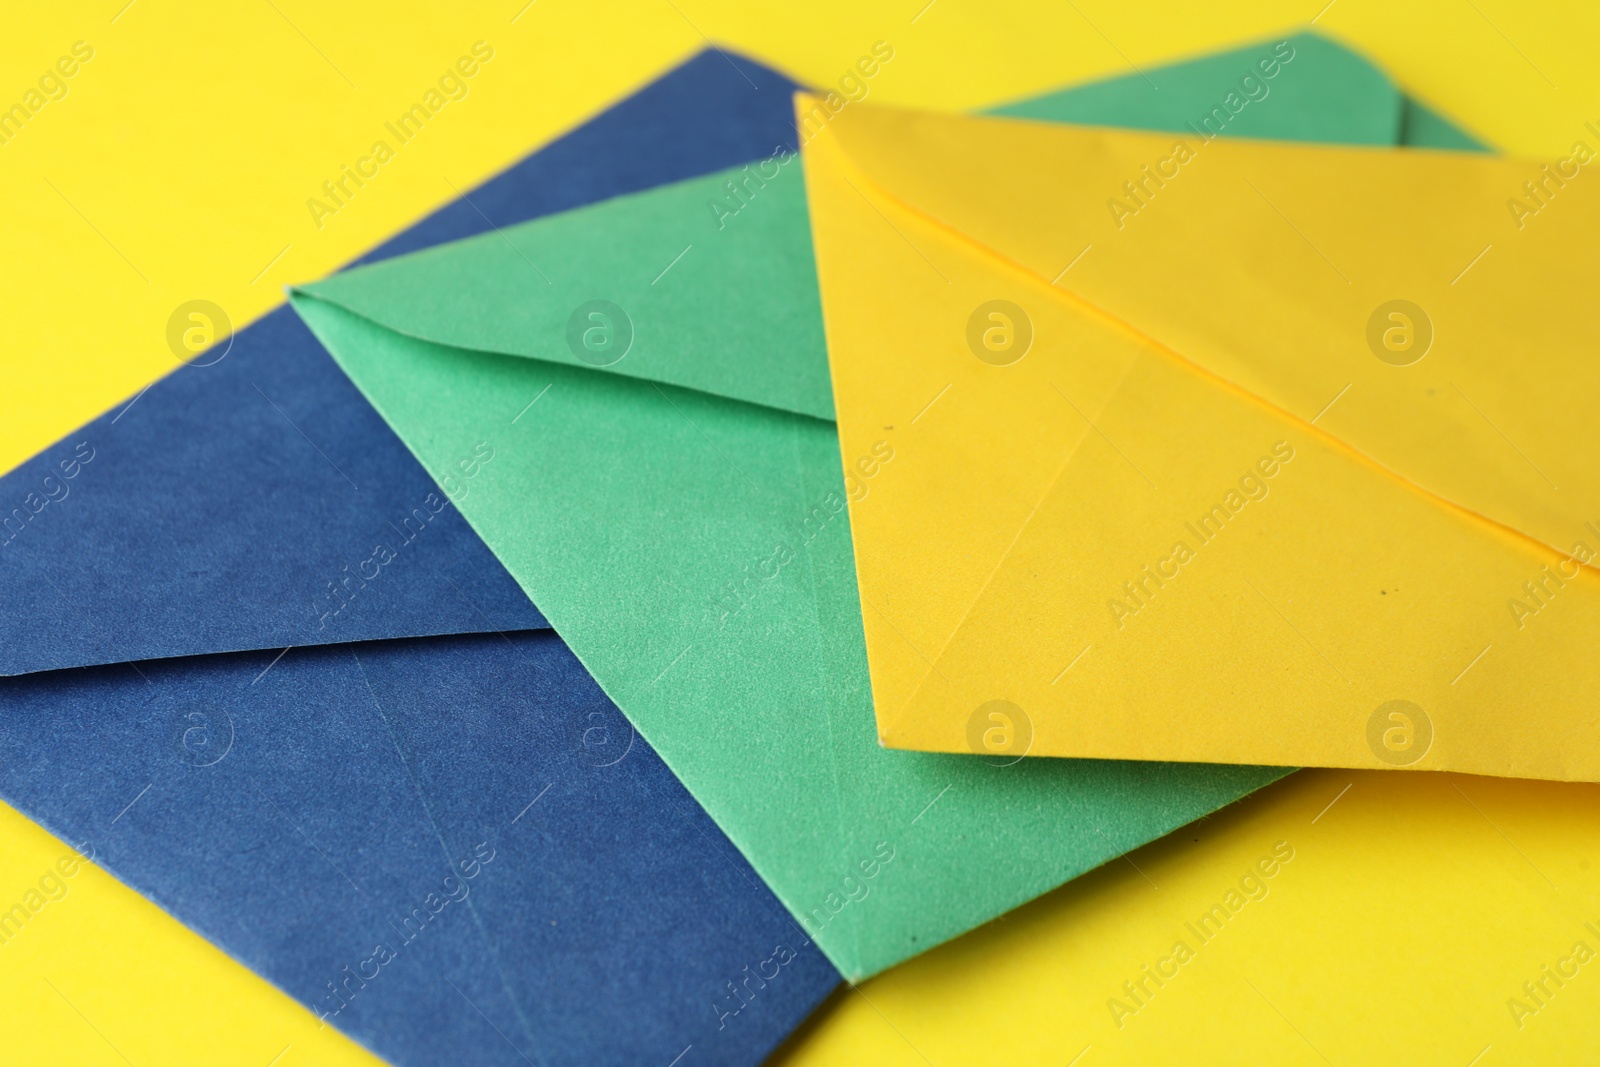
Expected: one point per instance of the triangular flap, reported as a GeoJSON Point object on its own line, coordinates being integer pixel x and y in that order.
{"type": "Point", "coordinates": [1155, 563]}
{"type": "Point", "coordinates": [1294, 272]}
{"type": "Point", "coordinates": [259, 502]}
{"type": "Point", "coordinates": [707, 284]}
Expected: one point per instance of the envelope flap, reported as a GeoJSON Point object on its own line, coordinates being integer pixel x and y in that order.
{"type": "Point", "coordinates": [707, 284]}
{"type": "Point", "coordinates": [1344, 287]}
{"type": "Point", "coordinates": [253, 503]}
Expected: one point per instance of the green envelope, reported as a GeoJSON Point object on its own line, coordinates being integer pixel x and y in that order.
{"type": "Point", "coordinates": [648, 379]}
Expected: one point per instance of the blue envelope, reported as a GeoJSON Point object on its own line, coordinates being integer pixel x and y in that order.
{"type": "Point", "coordinates": [263, 671]}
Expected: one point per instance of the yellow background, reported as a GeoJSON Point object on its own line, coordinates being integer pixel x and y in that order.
{"type": "Point", "coordinates": [1413, 909]}
{"type": "Point", "coordinates": [178, 167]}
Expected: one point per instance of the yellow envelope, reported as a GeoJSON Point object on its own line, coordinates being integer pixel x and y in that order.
{"type": "Point", "coordinates": [1217, 450]}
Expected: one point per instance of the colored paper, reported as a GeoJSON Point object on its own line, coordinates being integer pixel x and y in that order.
{"type": "Point", "coordinates": [273, 117]}
{"type": "Point", "coordinates": [323, 808]}
{"type": "Point", "coordinates": [650, 373]}
{"type": "Point", "coordinates": [262, 503]}
{"type": "Point", "coordinates": [1224, 452]}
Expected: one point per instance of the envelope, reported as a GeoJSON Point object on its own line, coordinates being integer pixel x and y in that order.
{"type": "Point", "coordinates": [650, 374]}
{"type": "Point", "coordinates": [1222, 441]}
{"type": "Point", "coordinates": [264, 673]}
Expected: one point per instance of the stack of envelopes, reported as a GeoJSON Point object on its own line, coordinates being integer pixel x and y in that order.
{"type": "Point", "coordinates": [763, 536]}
